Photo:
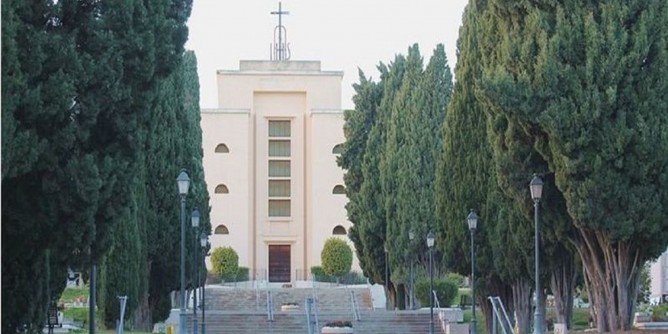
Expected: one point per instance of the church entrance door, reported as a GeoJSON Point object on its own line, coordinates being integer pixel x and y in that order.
{"type": "Point", "coordinates": [279, 263]}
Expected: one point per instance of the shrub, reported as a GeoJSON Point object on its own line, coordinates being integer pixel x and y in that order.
{"type": "Point", "coordinates": [339, 323]}
{"type": "Point", "coordinates": [446, 291]}
{"type": "Point", "coordinates": [660, 312]}
{"type": "Point", "coordinates": [242, 274]}
{"type": "Point", "coordinates": [457, 279]}
{"type": "Point", "coordinates": [336, 257]}
{"type": "Point", "coordinates": [320, 276]}
{"type": "Point", "coordinates": [352, 277]}
{"type": "Point", "coordinates": [225, 262]}
{"type": "Point", "coordinates": [212, 278]}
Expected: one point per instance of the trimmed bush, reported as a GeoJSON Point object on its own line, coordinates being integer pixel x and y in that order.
{"type": "Point", "coordinates": [225, 262]}
{"type": "Point", "coordinates": [446, 291]}
{"type": "Point", "coordinates": [457, 279]}
{"type": "Point", "coordinates": [320, 276]}
{"type": "Point", "coordinates": [242, 274]}
{"type": "Point", "coordinates": [336, 257]}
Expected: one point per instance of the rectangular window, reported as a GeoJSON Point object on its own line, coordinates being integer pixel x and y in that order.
{"type": "Point", "coordinates": [279, 188]}
{"type": "Point", "coordinates": [279, 168]}
{"type": "Point", "coordinates": [279, 128]}
{"type": "Point", "coordinates": [279, 148]}
{"type": "Point", "coordinates": [279, 208]}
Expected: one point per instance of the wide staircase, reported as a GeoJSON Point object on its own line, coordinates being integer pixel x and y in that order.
{"type": "Point", "coordinates": [239, 310]}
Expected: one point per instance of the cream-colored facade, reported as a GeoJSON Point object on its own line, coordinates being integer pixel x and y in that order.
{"type": "Point", "coordinates": [276, 192]}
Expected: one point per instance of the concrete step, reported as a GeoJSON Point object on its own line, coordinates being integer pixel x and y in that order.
{"type": "Point", "coordinates": [244, 310]}
{"type": "Point", "coordinates": [230, 299]}
{"type": "Point", "coordinates": [372, 322]}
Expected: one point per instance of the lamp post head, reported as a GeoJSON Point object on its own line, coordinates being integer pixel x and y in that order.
{"type": "Point", "coordinates": [472, 220]}
{"type": "Point", "coordinates": [183, 181]}
{"type": "Point", "coordinates": [194, 218]}
{"type": "Point", "coordinates": [430, 239]}
{"type": "Point", "coordinates": [203, 240]}
{"type": "Point", "coordinates": [536, 187]}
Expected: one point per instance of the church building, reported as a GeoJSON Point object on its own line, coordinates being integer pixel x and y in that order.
{"type": "Point", "coordinates": [270, 149]}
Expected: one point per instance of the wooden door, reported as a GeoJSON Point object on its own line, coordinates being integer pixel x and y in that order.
{"type": "Point", "coordinates": [279, 263]}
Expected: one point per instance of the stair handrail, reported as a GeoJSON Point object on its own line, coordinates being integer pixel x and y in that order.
{"type": "Point", "coordinates": [441, 312]}
{"type": "Point", "coordinates": [270, 306]}
{"type": "Point", "coordinates": [506, 326]}
{"type": "Point", "coordinates": [257, 293]}
{"type": "Point", "coordinates": [309, 303]}
{"type": "Point", "coordinates": [355, 306]}
{"type": "Point", "coordinates": [315, 302]}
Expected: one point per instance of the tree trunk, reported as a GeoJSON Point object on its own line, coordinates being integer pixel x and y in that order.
{"type": "Point", "coordinates": [612, 270]}
{"type": "Point", "coordinates": [562, 284]}
{"type": "Point", "coordinates": [494, 288]}
{"type": "Point", "coordinates": [522, 305]}
{"type": "Point", "coordinates": [142, 319]}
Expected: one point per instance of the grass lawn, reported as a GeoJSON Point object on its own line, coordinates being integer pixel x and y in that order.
{"type": "Point", "coordinates": [580, 318]}
{"type": "Point", "coordinates": [107, 331]}
{"type": "Point", "coordinates": [70, 295]}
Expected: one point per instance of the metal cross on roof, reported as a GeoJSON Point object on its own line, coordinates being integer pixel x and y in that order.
{"type": "Point", "coordinates": [281, 48]}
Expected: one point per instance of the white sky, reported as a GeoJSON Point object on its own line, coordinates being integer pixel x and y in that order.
{"type": "Point", "coordinates": [342, 34]}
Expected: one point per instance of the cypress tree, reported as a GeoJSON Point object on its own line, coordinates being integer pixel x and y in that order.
{"type": "Point", "coordinates": [80, 74]}
{"type": "Point", "coordinates": [466, 179]}
{"type": "Point", "coordinates": [515, 159]}
{"type": "Point", "coordinates": [587, 86]}
{"type": "Point", "coordinates": [392, 137]}
{"type": "Point", "coordinates": [398, 174]}
{"type": "Point", "coordinates": [358, 123]}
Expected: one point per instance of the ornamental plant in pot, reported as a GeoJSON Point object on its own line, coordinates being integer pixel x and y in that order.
{"type": "Point", "coordinates": [337, 326]}
{"type": "Point", "coordinates": [289, 306]}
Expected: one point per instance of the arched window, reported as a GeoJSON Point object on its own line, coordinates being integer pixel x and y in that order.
{"type": "Point", "coordinates": [338, 149]}
{"type": "Point", "coordinates": [222, 148]}
{"type": "Point", "coordinates": [221, 229]}
{"type": "Point", "coordinates": [222, 189]}
{"type": "Point", "coordinates": [338, 189]}
{"type": "Point", "coordinates": [339, 230]}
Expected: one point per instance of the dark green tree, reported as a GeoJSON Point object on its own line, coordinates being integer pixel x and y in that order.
{"type": "Point", "coordinates": [358, 123]}
{"type": "Point", "coordinates": [174, 142]}
{"type": "Point", "coordinates": [77, 84]}
{"type": "Point", "coordinates": [466, 177]}
{"type": "Point", "coordinates": [582, 82]}
{"type": "Point", "coordinates": [392, 138]}
{"type": "Point", "coordinates": [399, 176]}
{"type": "Point", "coordinates": [409, 167]}
{"type": "Point", "coordinates": [373, 224]}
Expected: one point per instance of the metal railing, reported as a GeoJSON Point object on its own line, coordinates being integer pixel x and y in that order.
{"type": "Point", "coordinates": [310, 322]}
{"type": "Point", "coordinates": [270, 306]}
{"type": "Point", "coordinates": [441, 312]}
{"type": "Point", "coordinates": [354, 306]}
{"type": "Point", "coordinates": [499, 310]}
{"type": "Point", "coordinates": [257, 296]}
{"type": "Point", "coordinates": [315, 303]}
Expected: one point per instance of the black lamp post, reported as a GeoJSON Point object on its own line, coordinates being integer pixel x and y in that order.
{"type": "Point", "coordinates": [387, 281]}
{"type": "Point", "coordinates": [430, 244]}
{"type": "Point", "coordinates": [194, 218]}
{"type": "Point", "coordinates": [472, 220]}
{"type": "Point", "coordinates": [204, 243]}
{"type": "Point", "coordinates": [536, 187]}
{"type": "Point", "coordinates": [183, 181]}
{"type": "Point", "coordinates": [411, 299]}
